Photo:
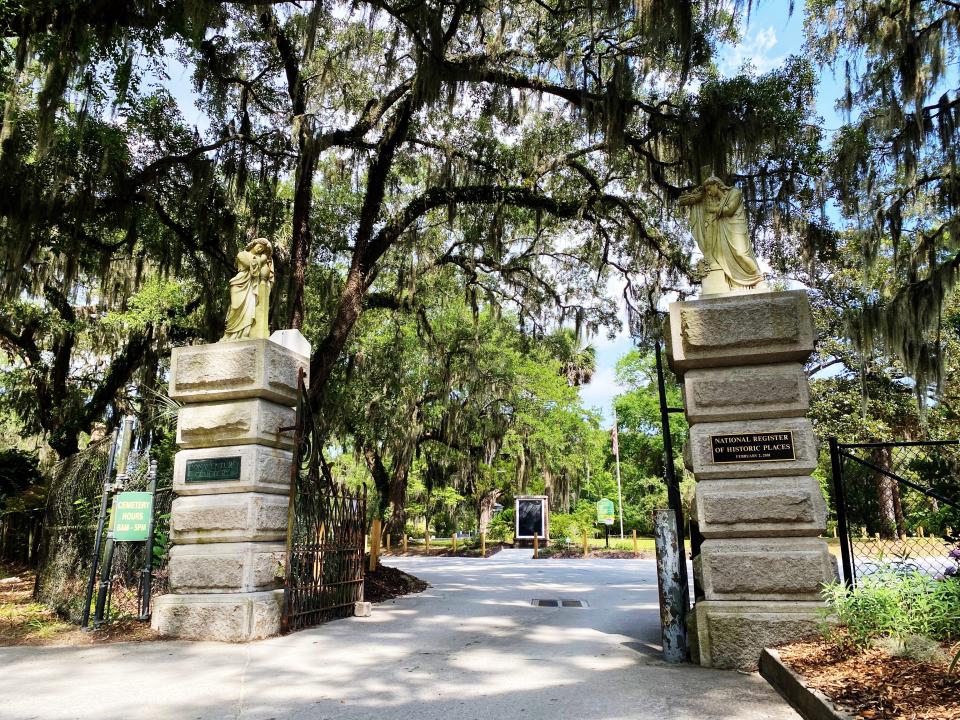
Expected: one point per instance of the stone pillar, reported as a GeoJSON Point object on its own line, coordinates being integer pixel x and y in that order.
{"type": "Point", "coordinates": [228, 523]}
{"type": "Point", "coordinates": [752, 451]}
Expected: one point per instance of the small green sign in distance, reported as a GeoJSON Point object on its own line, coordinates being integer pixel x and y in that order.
{"type": "Point", "coordinates": [605, 511]}
{"type": "Point", "coordinates": [131, 516]}
{"type": "Point", "coordinates": [213, 469]}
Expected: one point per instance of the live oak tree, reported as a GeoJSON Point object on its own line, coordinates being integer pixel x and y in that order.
{"type": "Point", "coordinates": [893, 164]}
{"type": "Point", "coordinates": [531, 149]}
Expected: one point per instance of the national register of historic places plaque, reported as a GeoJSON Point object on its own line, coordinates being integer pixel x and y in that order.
{"type": "Point", "coordinates": [213, 469]}
{"type": "Point", "coordinates": [753, 447]}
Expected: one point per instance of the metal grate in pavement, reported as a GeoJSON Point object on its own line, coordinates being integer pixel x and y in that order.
{"type": "Point", "coordinates": [559, 603]}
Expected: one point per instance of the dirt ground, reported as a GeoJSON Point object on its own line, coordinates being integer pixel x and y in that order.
{"type": "Point", "coordinates": [876, 685]}
{"type": "Point", "coordinates": [26, 622]}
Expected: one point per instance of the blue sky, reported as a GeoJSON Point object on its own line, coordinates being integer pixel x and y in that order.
{"type": "Point", "coordinates": [771, 36]}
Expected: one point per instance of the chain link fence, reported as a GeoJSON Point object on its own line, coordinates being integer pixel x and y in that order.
{"type": "Point", "coordinates": [70, 528]}
{"type": "Point", "coordinates": [900, 506]}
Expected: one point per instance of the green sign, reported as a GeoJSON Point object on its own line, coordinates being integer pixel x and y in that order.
{"type": "Point", "coordinates": [213, 469]}
{"type": "Point", "coordinates": [605, 511]}
{"type": "Point", "coordinates": [131, 516]}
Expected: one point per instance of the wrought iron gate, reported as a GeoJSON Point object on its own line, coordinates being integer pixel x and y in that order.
{"type": "Point", "coordinates": [898, 506]}
{"type": "Point", "coordinates": [325, 534]}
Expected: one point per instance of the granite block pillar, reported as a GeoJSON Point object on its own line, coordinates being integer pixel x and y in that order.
{"type": "Point", "coordinates": [228, 522]}
{"type": "Point", "coordinates": [752, 451]}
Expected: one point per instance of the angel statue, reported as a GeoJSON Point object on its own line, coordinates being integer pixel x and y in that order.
{"type": "Point", "coordinates": [719, 226]}
{"type": "Point", "coordinates": [249, 314]}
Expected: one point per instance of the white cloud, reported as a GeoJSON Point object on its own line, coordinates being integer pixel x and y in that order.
{"type": "Point", "coordinates": [755, 49]}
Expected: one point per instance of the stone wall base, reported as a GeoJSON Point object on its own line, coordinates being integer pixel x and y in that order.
{"type": "Point", "coordinates": [731, 634]}
{"type": "Point", "coordinates": [228, 617]}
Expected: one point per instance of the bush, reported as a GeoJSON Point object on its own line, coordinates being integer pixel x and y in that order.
{"type": "Point", "coordinates": [500, 528]}
{"type": "Point", "coordinates": [888, 605]}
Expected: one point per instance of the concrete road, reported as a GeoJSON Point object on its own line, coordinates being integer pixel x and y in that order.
{"type": "Point", "coordinates": [470, 647]}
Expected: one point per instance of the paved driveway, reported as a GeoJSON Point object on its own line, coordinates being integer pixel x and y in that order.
{"type": "Point", "coordinates": [471, 646]}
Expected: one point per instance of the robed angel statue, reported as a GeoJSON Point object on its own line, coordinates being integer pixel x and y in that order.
{"type": "Point", "coordinates": [719, 225]}
{"type": "Point", "coordinates": [249, 314]}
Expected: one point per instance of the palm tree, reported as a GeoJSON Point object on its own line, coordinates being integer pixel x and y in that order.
{"type": "Point", "coordinates": [578, 361]}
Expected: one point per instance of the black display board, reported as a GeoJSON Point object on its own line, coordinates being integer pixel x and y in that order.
{"type": "Point", "coordinates": [529, 517]}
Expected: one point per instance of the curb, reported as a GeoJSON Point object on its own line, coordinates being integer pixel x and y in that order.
{"type": "Point", "coordinates": [810, 703]}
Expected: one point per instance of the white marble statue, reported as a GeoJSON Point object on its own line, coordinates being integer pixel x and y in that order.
{"type": "Point", "coordinates": [719, 226]}
{"type": "Point", "coordinates": [249, 314]}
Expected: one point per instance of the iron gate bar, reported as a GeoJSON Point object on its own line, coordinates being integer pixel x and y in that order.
{"type": "Point", "coordinates": [841, 501]}
{"type": "Point", "coordinates": [323, 576]}
{"type": "Point", "coordinates": [898, 478]}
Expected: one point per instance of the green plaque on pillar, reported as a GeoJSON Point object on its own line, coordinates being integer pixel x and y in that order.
{"type": "Point", "coordinates": [213, 469]}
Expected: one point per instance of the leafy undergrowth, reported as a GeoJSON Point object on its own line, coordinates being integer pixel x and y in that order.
{"type": "Point", "coordinates": [23, 621]}
{"type": "Point", "coordinates": [875, 684]}
{"type": "Point", "coordinates": [386, 583]}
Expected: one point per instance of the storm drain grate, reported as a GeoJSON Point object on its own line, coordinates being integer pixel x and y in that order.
{"type": "Point", "coordinates": [559, 603]}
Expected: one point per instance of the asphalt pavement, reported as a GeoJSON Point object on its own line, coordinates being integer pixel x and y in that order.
{"type": "Point", "coordinates": [471, 646]}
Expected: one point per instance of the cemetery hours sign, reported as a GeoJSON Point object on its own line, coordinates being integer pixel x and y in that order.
{"type": "Point", "coordinates": [753, 447]}
{"type": "Point", "coordinates": [131, 516]}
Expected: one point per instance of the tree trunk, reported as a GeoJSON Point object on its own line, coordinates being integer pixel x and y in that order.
{"type": "Point", "coordinates": [884, 488]}
{"type": "Point", "coordinates": [302, 239]}
{"type": "Point", "coordinates": [487, 501]}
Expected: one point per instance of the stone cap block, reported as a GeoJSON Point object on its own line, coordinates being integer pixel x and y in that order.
{"type": "Point", "coordinates": [237, 517]}
{"type": "Point", "coordinates": [699, 450]}
{"type": "Point", "coordinates": [732, 634]}
{"type": "Point", "coordinates": [746, 393]}
{"type": "Point", "coordinates": [226, 567]}
{"type": "Point", "coordinates": [760, 507]}
{"type": "Point", "coordinates": [232, 469]}
{"type": "Point", "coordinates": [235, 422]}
{"type": "Point", "coordinates": [749, 329]}
{"type": "Point", "coordinates": [234, 370]}
{"type": "Point", "coordinates": [227, 617]}
{"type": "Point", "coordinates": [764, 568]}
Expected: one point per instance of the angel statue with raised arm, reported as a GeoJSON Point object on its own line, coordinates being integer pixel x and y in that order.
{"type": "Point", "coordinates": [249, 314]}
{"type": "Point", "coordinates": [719, 225]}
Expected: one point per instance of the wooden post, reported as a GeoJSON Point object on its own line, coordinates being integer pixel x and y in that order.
{"type": "Point", "coordinates": [920, 531]}
{"type": "Point", "coordinates": [834, 531]}
{"type": "Point", "coordinates": [453, 542]}
{"type": "Point", "coordinates": [404, 543]}
{"type": "Point", "coordinates": [586, 544]}
{"type": "Point", "coordinates": [374, 544]}
{"type": "Point", "coordinates": [388, 542]}
{"type": "Point", "coordinates": [426, 538]}
{"type": "Point", "coordinates": [536, 545]}
{"type": "Point", "coordinates": [483, 544]}
{"type": "Point", "coordinates": [636, 548]}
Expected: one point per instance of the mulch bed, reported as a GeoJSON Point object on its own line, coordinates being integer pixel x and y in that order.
{"type": "Point", "coordinates": [874, 684]}
{"type": "Point", "coordinates": [601, 554]}
{"type": "Point", "coordinates": [386, 583]}
{"type": "Point", "coordinates": [442, 551]}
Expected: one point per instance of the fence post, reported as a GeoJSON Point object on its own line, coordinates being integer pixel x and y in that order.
{"type": "Point", "coordinates": [374, 544]}
{"type": "Point", "coordinates": [636, 549]}
{"type": "Point", "coordinates": [673, 600]}
{"type": "Point", "coordinates": [404, 543]}
{"type": "Point", "coordinates": [426, 538]}
{"type": "Point", "coordinates": [586, 544]}
{"type": "Point", "coordinates": [483, 544]}
{"type": "Point", "coordinates": [536, 545]}
{"type": "Point", "coordinates": [836, 464]}
{"type": "Point", "coordinates": [453, 542]}
{"type": "Point", "coordinates": [388, 542]}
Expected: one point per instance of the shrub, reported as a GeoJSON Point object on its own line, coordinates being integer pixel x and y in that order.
{"type": "Point", "coordinates": [888, 605]}
{"type": "Point", "coordinates": [499, 528]}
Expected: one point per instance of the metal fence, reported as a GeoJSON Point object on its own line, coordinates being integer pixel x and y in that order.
{"type": "Point", "coordinates": [70, 529]}
{"type": "Point", "coordinates": [898, 506]}
{"type": "Point", "coordinates": [325, 534]}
